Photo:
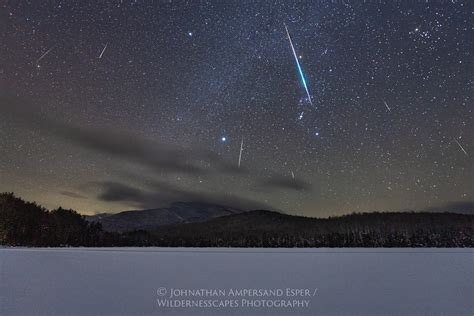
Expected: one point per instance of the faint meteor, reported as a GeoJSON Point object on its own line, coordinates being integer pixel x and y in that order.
{"type": "Point", "coordinates": [292, 174]}
{"type": "Point", "coordinates": [44, 55]}
{"type": "Point", "coordinates": [386, 105]}
{"type": "Point", "coordinates": [240, 153]}
{"type": "Point", "coordinates": [298, 64]}
{"type": "Point", "coordinates": [103, 50]}
{"type": "Point", "coordinates": [460, 146]}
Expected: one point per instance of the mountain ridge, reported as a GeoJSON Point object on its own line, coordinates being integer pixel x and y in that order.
{"type": "Point", "coordinates": [150, 219]}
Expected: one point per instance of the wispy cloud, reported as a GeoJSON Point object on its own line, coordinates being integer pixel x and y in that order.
{"type": "Point", "coordinates": [162, 194]}
{"type": "Point", "coordinates": [127, 146]}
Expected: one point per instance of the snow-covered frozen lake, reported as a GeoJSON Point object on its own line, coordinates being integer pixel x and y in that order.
{"type": "Point", "coordinates": [139, 281]}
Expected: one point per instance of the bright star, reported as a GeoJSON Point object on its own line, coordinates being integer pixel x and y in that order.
{"type": "Point", "coordinates": [223, 138]}
{"type": "Point", "coordinates": [190, 33]}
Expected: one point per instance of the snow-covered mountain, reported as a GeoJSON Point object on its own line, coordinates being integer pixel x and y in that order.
{"type": "Point", "coordinates": [179, 212]}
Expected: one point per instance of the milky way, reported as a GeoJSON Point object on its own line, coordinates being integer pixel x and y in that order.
{"type": "Point", "coordinates": [135, 104]}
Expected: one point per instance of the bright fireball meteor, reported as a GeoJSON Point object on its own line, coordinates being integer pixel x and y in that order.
{"type": "Point", "coordinates": [298, 64]}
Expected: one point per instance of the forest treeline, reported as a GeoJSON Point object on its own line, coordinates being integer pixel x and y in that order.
{"type": "Point", "coordinates": [28, 224]}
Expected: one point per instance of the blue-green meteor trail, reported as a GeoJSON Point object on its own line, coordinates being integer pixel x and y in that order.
{"type": "Point", "coordinates": [299, 66]}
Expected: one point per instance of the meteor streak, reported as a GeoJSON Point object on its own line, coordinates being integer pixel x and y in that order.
{"type": "Point", "coordinates": [460, 146]}
{"type": "Point", "coordinates": [298, 64]}
{"type": "Point", "coordinates": [386, 105]}
{"type": "Point", "coordinates": [102, 53]}
{"type": "Point", "coordinates": [44, 55]}
{"type": "Point", "coordinates": [240, 153]}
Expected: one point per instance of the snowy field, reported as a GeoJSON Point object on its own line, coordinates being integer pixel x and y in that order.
{"type": "Point", "coordinates": [140, 281]}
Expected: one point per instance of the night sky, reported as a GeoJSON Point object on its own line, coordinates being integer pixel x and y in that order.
{"type": "Point", "coordinates": [136, 104]}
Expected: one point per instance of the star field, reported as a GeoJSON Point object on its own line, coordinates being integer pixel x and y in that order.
{"type": "Point", "coordinates": [389, 126]}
